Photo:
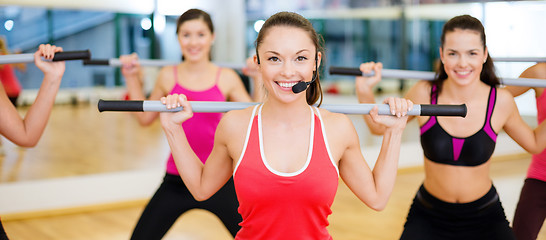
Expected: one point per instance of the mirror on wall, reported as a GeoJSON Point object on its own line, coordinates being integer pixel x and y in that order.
{"type": "Point", "coordinates": [402, 35]}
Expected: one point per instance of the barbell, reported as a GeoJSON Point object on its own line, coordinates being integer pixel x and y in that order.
{"type": "Point", "coordinates": [115, 62]}
{"type": "Point", "coordinates": [203, 106]}
{"type": "Point", "coordinates": [429, 76]}
{"type": "Point", "coordinates": [519, 59]}
{"type": "Point", "coordinates": [59, 56]}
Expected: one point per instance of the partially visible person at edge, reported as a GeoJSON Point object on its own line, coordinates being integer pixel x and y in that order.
{"type": "Point", "coordinates": [11, 84]}
{"type": "Point", "coordinates": [531, 208]}
{"type": "Point", "coordinates": [27, 131]}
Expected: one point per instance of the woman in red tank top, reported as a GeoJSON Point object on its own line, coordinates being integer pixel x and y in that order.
{"type": "Point", "coordinates": [285, 152]}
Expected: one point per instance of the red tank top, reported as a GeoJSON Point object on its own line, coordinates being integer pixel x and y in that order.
{"type": "Point", "coordinates": [201, 127]}
{"type": "Point", "coordinates": [276, 205]}
{"type": "Point", "coordinates": [9, 80]}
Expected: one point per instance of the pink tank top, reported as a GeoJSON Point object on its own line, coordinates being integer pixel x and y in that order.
{"type": "Point", "coordinates": [201, 127]}
{"type": "Point", "coordinates": [537, 168]}
{"type": "Point", "coordinates": [277, 205]}
{"type": "Point", "coordinates": [9, 80]}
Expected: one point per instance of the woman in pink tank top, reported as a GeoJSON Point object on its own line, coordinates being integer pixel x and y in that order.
{"type": "Point", "coordinates": [201, 80]}
{"type": "Point", "coordinates": [26, 132]}
{"type": "Point", "coordinates": [284, 155]}
{"type": "Point", "coordinates": [531, 209]}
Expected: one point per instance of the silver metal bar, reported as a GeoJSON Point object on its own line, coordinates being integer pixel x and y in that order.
{"type": "Point", "coordinates": [524, 82]}
{"type": "Point", "coordinates": [405, 74]}
{"type": "Point", "coordinates": [422, 75]}
{"type": "Point", "coordinates": [519, 59]}
{"type": "Point", "coordinates": [201, 106]}
{"type": "Point", "coordinates": [197, 106]}
{"type": "Point", "coordinates": [115, 62]}
{"type": "Point", "coordinates": [17, 58]}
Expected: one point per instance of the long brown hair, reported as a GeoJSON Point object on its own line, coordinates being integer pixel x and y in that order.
{"type": "Point", "coordinates": [466, 22]}
{"type": "Point", "coordinates": [290, 19]}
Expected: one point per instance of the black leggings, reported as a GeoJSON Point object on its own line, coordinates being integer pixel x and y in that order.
{"type": "Point", "coordinates": [14, 100]}
{"type": "Point", "coordinates": [173, 198]}
{"type": "Point", "coordinates": [531, 209]}
{"type": "Point", "coordinates": [3, 235]}
{"type": "Point", "coordinates": [432, 218]}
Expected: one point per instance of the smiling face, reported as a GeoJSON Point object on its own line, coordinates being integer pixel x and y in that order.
{"type": "Point", "coordinates": [287, 56]}
{"type": "Point", "coordinates": [195, 39]}
{"type": "Point", "coordinates": [463, 56]}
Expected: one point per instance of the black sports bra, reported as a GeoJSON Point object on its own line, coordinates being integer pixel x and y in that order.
{"type": "Point", "coordinates": [439, 146]}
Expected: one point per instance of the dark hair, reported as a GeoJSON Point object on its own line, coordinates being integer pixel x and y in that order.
{"type": "Point", "coordinates": [466, 22]}
{"type": "Point", "coordinates": [290, 19]}
{"type": "Point", "coordinates": [193, 14]}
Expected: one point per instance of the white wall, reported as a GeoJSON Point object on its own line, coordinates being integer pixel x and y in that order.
{"type": "Point", "coordinates": [230, 28]}
{"type": "Point", "coordinates": [229, 20]}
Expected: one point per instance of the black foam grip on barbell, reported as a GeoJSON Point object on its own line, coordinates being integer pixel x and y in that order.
{"type": "Point", "coordinates": [72, 55]}
{"type": "Point", "coordinates": [345, 71]}
{"type": "Point", "coordinates": [101, 62]}
{"type": "Point", "coordinates": [121, 105]}
{"type": "Point", "coordinates": [444, 110]}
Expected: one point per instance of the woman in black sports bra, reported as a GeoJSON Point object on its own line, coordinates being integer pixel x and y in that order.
{"type": "Point", "coordinates": [457, 199]}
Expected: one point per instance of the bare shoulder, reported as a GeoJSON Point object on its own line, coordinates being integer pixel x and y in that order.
{"type": "Point", "coordinates": [505, 105]}
{"type": "Point", "coordinates": [420, 92]}
{"type": "Point", "coordinates": [232, 130]}
{"type": "Point", "coordinates": [236, 121]}
{"type": "Point", "coordinates": [331, 118]}
{"type": "Point", "coordinates": [536, 71]}
{"type": "Point", "coordinates": [165, 78]}
{"type": "Point", "coordinates": [540, 65]}
{"type": "Point", "coordinates": [166, 72]}
{"type": "Point", "coordinates": [340, 131]}
{"type": "Point", "coordinates": [230, 81]}
{"type": "Point", "coordinates": [229, 75]}
{"type": "Point", "coordinates": [504, 98]}
{"type": "Point", "coordinates": [336, 124]}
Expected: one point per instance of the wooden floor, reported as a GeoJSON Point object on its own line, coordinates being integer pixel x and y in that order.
{"type": "Point", "coordinates": [350, 220]}
{"type": "Point", "coordinates": [79, 140]}
{"type": "Point", "coordinates": [83, 140]}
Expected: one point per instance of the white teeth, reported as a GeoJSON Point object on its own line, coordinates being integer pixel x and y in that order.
{"type": "Point", "coordinates": [463, 73]}
{"type": "Point", "coordinates": [287, 85]}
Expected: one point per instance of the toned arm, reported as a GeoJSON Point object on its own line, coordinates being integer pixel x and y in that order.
{"type": "Point", "coordinates": [371, 187]}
